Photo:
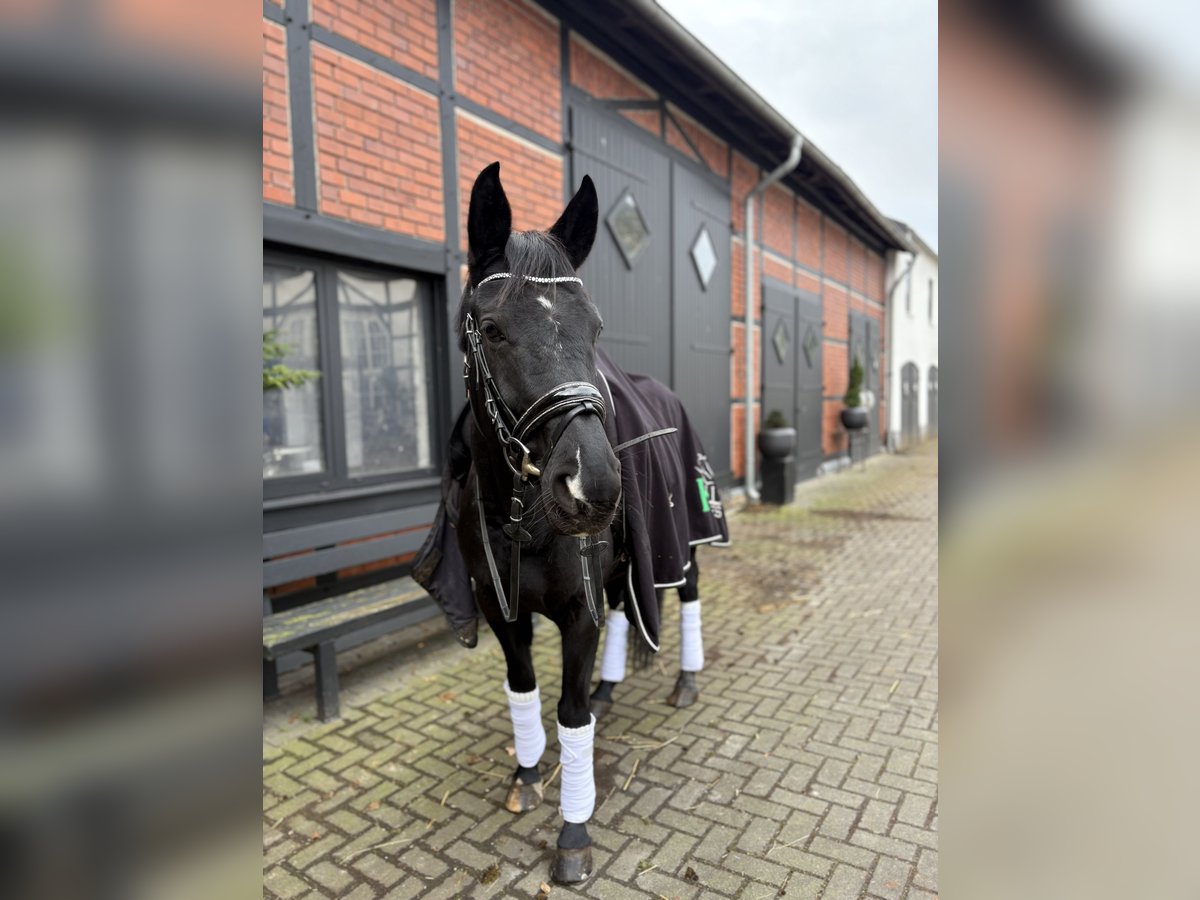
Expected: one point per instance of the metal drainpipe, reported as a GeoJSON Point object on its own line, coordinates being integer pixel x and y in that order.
{"type": "Point", "coordinates": [784, 168]}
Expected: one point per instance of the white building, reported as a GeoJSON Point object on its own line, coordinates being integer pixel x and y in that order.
{"type": "Point", "coordinates": [912, 354]}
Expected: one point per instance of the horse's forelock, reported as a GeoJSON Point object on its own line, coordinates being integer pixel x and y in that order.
{"type": "Point", "coordinates": [533, 253]}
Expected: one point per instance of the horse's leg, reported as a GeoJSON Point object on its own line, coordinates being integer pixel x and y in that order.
{"type": "Point", "coordinates": [616, 642]}
{"type": "Point", "coordinates": [691, 641]}
{"type": "Point", "coordinates": [525, 710]}
{"type": "Point", "coordinates": [576, 735]}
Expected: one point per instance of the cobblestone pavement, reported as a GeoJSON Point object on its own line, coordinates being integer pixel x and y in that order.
{"type": "Point", "coordinates": [807, 769]}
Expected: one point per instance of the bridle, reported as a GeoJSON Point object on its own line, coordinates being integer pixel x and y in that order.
{"type": "Point", "coordinates": [568, 401]}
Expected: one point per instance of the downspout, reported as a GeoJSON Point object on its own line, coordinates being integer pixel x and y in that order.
{"type": "Point", "coordinates": [784, 168]}
{"type": "Point", "coordinates": [890, 313]}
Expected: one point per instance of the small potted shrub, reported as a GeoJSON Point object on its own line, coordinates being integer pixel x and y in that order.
{"type": "Point", "coordinates": [776, 440]}
{"type": "Point", "coordinates": [854, 415]}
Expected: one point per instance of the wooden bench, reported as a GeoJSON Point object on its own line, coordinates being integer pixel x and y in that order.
{"type": "Point", "coordinates": [316, 627]}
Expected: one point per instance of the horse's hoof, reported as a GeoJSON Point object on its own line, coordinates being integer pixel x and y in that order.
{"type": "Point", "coordinates": [686, 692]}
{"type": "Point", "coordinates": [524, 797]}
{"type": "Point", "coordinates": [600, 707]}
{"type": "Point", "coordinates": [571, 866]}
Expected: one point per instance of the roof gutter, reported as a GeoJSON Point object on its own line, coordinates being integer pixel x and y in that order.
{"type": "Point", "coordinates": [780, 171]}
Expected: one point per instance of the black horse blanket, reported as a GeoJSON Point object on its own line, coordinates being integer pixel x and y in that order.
{"type": "Point", "coordinates": [670, 503]}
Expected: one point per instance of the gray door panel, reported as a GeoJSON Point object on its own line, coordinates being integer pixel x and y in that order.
{"type": "Point", "coordinates": [792, 381]}
{"type": "Point", "coordinates": [701, 356]}
{"type": "Point", "coordinates": [865, 346]}
{"type": "Point", "coordinates": [809, 384]}
{"type": "Point", "coordinates": [909, 400]}
{"type": "Point", "coordinates": [634, 300]}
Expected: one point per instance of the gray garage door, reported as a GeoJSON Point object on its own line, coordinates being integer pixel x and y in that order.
{"type": "Point", "coordinates": [865, 345]}
{"type": "Point", "coordinates": [629, 271]}
{"type": "Point", "coordinates": [792, 367]}
{"type": "Point", "coordinates": [660, 269]}
{"type": "Point", "coordinates": [701, 313]}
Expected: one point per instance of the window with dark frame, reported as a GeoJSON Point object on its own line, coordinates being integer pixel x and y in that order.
{"type": "Point", "coordinates": [368, 415]}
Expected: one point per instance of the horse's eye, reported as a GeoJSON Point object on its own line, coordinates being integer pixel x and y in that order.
{"type": "Point", "coordinates": [491, 332]}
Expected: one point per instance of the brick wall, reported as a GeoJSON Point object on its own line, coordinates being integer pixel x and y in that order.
{"type": "Point", "coordinates": [837, 250]}
{"type": "Point", "coordinates": [778, 218]}
{"type": "Point", "coordinates": [745, 176]}
{"type": "Point", "coordinates": [506, 57]}
{"type": "Point", "coordinates": [278, 185]}
{"type": "Point", "coordinates": [378, 154]}
{"type": "Point", "coordinates": [713, 151]}
{"type": "Point", "coordinates": [379, 151]}
{"type": "Point", "coordinates": [595, 73]}
{"type": "Point", "coordinates": [808, 236]}
{"type": "Point", "coordinates": [401, 30]}
{"type": "Point", "coordinates": [532, 177]}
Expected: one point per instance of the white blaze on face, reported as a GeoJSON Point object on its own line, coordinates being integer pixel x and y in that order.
{"type": "Point", "coordinates": [544, 302]}
{"type": "Point", "coordinates": [574, 484]}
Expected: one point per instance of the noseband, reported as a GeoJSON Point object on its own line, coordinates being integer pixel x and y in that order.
{"type": "Point", "coordinates": [568, 400]}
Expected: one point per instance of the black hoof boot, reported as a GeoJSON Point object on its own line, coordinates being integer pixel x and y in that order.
{"type": "Point", "coordinates": [601, 700]}
{"type": "Point", "coordinates": [686, 692]}
{"type": "Point", "coordinates": [525, 795]}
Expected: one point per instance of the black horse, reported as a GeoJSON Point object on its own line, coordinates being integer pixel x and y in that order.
{"type": "Point", "coordinates": [537, 520]}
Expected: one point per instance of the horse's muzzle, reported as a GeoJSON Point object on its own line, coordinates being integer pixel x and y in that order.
{"type": "Point", "coordinates": [584, 487]}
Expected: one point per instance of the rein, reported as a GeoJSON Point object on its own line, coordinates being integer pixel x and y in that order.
{"type": "Point", "coordinates": [568, 400]}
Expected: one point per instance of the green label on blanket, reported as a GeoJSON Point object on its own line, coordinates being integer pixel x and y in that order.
{"type": "Point", "coordinates": [703, 494]}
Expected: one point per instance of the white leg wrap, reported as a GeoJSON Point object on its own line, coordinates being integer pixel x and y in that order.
{"type": "Point", "coordinates": [528, 734]}
{"type": "Point", "coordinates": [612, 664]}
{"type": "Point", "coordinates": [691, 644]}
{"type": "Point", "coordinates": [578, 777]}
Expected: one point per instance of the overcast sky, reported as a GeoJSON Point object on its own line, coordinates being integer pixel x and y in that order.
{"type": "Point", "coordinates": [857, 77]}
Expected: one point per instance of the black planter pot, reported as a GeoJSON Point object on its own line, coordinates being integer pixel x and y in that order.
{"type": "Point", "coordinates": [776, 443]}
{"type": "Point", "coordinates": [854, 418]}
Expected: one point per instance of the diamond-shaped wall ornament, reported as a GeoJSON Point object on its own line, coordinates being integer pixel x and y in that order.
{"type": "Point", "coordinates": [810, 345]}
{"type": "Point", "coordinates": [781, 340]}
{"type": "Point", "coordinates": [628, 228]}
{"type": "Point", "coordinates": [704, 255]}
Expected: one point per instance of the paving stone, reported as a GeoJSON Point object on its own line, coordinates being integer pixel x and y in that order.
{"type": "Point", "coordinates": [846, 883]}
{"type": "Point", "coordinates": [890, 878]}
{"type": "Point", "coordinates": [807, 769]}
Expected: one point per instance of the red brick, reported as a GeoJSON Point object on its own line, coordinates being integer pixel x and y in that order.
{"type": "Point", "coordinates": [836, 304]}
{"type": "Point", "coordinates": [876, 273]}
{"type": "Point", "coordinates": [737, 361]}
{"type": "Point", "coordinates": [836, 253]}
{"type": "Point", "coordinates": [835, 371]}
{"type": "Point", "coordinates": [808, 236]}
{"type": "Point", "coordinates": [738, 281]}
{"type": "Point", "coordinates": [278, 183]}
{"type": "Point", "coordinates": [745, 176]}
{"type": "Point", "coordinates": [713, 151]}
{"type": "Point", "coordinates": [506, 57]}
{"type": "Point", "coordinates": [737, 436]}
{"type": "Point", "coordinates": [595, 73]}
{"type": "Point", "coordinates": [858, 266]}
{"type": "Point", "coordinates": [362, 138]}
{"type": "Point", "coordinates": [532, 179]}
{"type": "Point", "coordinates": [402, 30]}
{"type": "Point", "coordinates": [777, 220]}
{"type": "Point", "coordinates": [780, 271]}
{"type": "Point", "coordinates": [807, 282]}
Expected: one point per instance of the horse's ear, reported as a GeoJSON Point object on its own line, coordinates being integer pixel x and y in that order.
{"type": "Point", "coordinates": [576, 227]}
{"type": "Point", "coordinates": [489, 221]}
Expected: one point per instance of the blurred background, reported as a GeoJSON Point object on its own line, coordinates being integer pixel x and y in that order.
{"type": "Point", "coordinates": [130, 491]}
{"type": "Point", "coordinates": [130, 450]}
{"type": "Point", "coordinates": [1070, 204]}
